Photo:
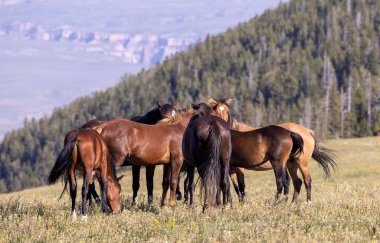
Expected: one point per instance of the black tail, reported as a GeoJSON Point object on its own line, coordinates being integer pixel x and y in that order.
{"type": "Point", "coordinates": [297, 144]}
{"type": "Point", "coordinates": [210, 169]}
{"type": "Point", "coordinates": [325, 157]}
{"type": "Point", "coordinates": [62, 162]}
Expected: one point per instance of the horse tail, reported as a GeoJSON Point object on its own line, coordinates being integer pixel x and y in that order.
{"type": "Point", "coordinates": [210, 169]}
{"type": "Point", "coordinates": [62, 162]}
{"type": "Point", "coordinates": [325, 157]}
{"type": "Point", "coordinates": [297, 144]}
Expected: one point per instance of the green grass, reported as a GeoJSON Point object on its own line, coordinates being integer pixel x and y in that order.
{"type": "Point", "coordinates": [346, 208]}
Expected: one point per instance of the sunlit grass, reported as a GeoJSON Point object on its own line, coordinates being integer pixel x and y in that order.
{"type": "Point", "coordinates": [345, 208]}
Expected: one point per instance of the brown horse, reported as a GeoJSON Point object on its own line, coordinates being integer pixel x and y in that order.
{"type": "Point", "coordinates": [151, 117]}
{"type": "Point", "coordinates": [274, 144]}
{"type": "Point", "coordinates": [207, 146]}
{"type": "Point", "coordinates": [85, 151]}
{"type": "Point", "coordinates": [132, 143]}
{"type": "Point", "coordinates": [312, 149]}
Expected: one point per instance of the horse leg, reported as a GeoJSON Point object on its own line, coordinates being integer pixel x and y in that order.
{"type": "Point", "coordinates": [279, 172]}
{"type": "Point", "coordinates": [186, 187]}
{"type": "Point", "coordinates": [241, 183]}
{"type": "Point", "coordinates": [89, 198]}
{"type": "Point", "coordinates": [136, 181]}
{"type": "Point", "coordinates": [175, 169]}
{"type": "Point", "coordinates": [178, 190]}
{"type": "Point", "coordinates": [149, 182]}
{"type": "Point", "coordinates": [225, 183]}
{"type": "Point", "coordinates": [86, 182]}
{"type": "Point", "coordinates": [92, 193]}
{"type": "Point", "coordinates": [286, 184]}
{"type": "Point", "coordinates": [190, 184]}
{"type": "Point", "coordinates": [307, 179]}
{"type": "Point", "coordinates": [234, 179]}
{"type": "Point", "coordinates": [297, 182]}
{"type": "Point", "coordinates": [73, 191]}
{"type": "Point", "coordinates": [165, 183]}
{"type": "Point", "coordinates": [104, 187]}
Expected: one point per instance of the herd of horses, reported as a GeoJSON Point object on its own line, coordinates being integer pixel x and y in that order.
{"type": "Point", "coordinates": [204, 138]}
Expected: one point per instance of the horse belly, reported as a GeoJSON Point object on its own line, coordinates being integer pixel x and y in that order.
{"type": "Point", "coordinates": [150, 155]}
{"type": "Point", "coordinates": [250, 159]}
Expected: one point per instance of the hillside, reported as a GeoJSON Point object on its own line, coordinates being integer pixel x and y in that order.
{"type": "Point", "coordinates": [345, 209]}
{"type": "Point", "coordinates": [310, 62]}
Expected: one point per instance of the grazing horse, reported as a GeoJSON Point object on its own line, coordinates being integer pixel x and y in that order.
{"type": "Point", "coordinates": [132, 143]}
{"type": "Point", "coordinates": [312, 149]}
{"type": "Point", "coordinates": [85, 151]}
{"type": "Point", "coordinates": [207, 146]}
{"type": "Point", "coordinates": [151, 117]}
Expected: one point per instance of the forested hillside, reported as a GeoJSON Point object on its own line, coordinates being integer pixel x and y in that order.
{"type": "Point", "coordinates": [314, 62]}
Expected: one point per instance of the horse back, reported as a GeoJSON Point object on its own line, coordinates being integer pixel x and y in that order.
{"type": "Point", "coordinates": [139, 143]}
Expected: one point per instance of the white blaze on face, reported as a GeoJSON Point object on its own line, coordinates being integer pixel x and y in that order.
{"type": "Point", "coordinates": [173, 113]}
{"type": "Point", "coordinates": [221, 108]}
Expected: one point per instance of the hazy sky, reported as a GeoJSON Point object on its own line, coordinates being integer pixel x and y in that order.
{"type": "Point", "coordinates": [36, 75]}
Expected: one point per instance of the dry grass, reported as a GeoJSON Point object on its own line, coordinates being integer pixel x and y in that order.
{"type": "Point", "coordinates": [346, 208]}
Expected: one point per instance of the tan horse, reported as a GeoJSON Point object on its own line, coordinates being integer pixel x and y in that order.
{"type": "Point", "coordinates": [311, 149]}
{"type": "Point", "coordinates": [140, 144]}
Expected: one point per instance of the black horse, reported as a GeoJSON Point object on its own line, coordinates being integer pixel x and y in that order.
{"type": "Point", "coordinates": [152, 117]}
{"type": "Point", "coordinates": [206, 145]}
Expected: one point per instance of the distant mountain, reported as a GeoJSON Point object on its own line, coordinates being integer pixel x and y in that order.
{"type": "Point", "coordinates": [133, 49]}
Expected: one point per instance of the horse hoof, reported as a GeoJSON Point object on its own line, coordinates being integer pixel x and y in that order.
{"type": "Point", "coordinates": [179, 197]}
{"type": "Point", "coordinates": [84, 218]}
{"type": "Point", "coordinates": [150, 200]}
{"type": "Point", "coordinates": [73, 216]}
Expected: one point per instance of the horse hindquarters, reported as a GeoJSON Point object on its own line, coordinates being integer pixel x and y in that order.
{"type": "Point", "coordinates": [210, 167]}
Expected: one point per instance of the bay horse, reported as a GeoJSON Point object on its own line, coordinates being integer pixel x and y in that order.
{"type": "Point", "coordinates": [132, 143]}
{"type": "Point", "coordinates": [207, 146]}
{"type": "Point", "coordinates": [85, 151]}
{"type": "Point", "coordinates": [312, 149]}
{"type": "Point", "coordinates": [272, 143]}
{"type": "Point", "coordinates": [151, 117]}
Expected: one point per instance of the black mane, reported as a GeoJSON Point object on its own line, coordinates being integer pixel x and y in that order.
{"type": "Point", "coordinates": [152, 117]}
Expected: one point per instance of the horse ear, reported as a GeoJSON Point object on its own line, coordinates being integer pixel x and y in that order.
{"type": "Point", "coordinates": [228, 101]}
{"type": "Point", "coordinates": [194, 106]}
{"type": "Point", "coordinates": [159, 105]}
{"type": "Point", "coordinates": [211, 102]}
{"type": "Point", "coordinates": [175, 104]}
{"type": "Point", "coordinates": [119, 178]}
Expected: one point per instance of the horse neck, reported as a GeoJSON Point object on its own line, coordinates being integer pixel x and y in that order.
{"type": "Point", "coordinates": [183, 121]}
{"type": "Point", "coordinates": [186, 119]}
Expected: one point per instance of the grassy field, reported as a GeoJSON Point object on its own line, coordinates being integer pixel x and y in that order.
{"type": "Point", "coordinates": [346, 208]}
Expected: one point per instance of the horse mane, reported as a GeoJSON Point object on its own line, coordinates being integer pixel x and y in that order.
{"type": "Point", "coordinates": [173, 120]}
{"type": "Point", "coordinates": [151, 117]}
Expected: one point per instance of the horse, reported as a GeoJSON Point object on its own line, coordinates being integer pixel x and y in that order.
{"type": "Point", "coordinates": [312, 149]}
{"type": "Point", "coordinates": [132, 143]}
{"type": "Point", "coordinates": [85, 151]}
{"type": "Point", "coordinates": [151, 117]}
{"type": "Point", "coordinates": [207, 146]}
{"type": "Point", "coordinates": [272, 143]}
